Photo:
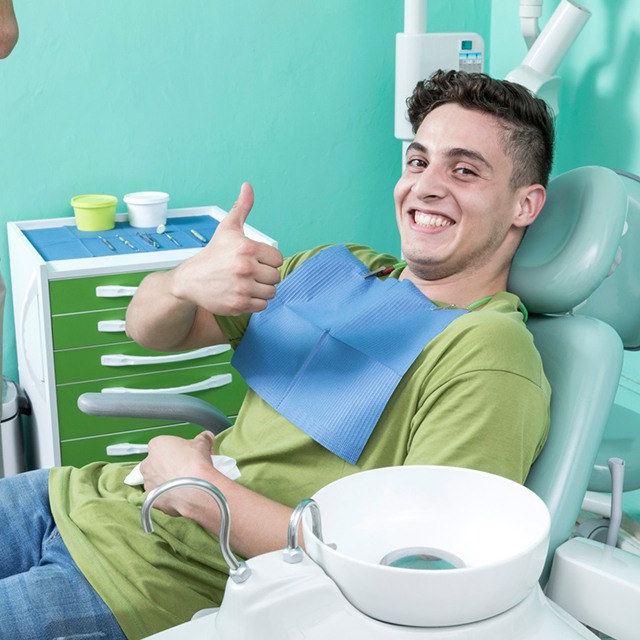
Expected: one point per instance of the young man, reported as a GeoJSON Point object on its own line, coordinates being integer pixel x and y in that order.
{"type": "Point", "coordinates": [473, 394]}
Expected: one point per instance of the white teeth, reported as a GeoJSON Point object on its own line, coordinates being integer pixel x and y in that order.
{"type": "Point", "coordinates": [430, 220]}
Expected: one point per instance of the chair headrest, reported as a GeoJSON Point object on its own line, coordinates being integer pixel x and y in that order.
{"type": "Point", "coordinates": [568, 251]}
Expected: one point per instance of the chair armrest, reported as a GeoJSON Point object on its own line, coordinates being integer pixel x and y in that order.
{"type": "Point", "coordinates": [181, 408]}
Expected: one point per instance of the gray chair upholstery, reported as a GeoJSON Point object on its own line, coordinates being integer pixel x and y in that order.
{"type": "Point", "coordinates": [582, 359]}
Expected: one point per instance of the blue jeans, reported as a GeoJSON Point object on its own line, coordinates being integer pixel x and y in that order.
{"type": "Point", "coordinates": [43, 595]}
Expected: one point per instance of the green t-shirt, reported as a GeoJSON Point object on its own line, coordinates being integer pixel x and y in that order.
{"type": "Point", "coordinates": [475, 397]}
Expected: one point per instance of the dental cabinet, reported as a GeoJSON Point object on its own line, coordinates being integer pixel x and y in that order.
{"type": "Point", "coordinates": [70, 294]}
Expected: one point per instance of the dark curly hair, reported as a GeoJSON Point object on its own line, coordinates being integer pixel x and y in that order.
{"type": "Point", "coordinates": [527, 121]}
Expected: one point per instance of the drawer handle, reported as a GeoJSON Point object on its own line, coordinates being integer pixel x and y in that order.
{"type": "Point", "coordinates": [111, 326]}
{"type": "Point", "coordinates": [210, 383]}
{"type": "Point", "coordinates": [114, 291]}
{"type": "Point", "coordinates": [126, 449]}
{"type": "Point", "coordinates": [123, 360]}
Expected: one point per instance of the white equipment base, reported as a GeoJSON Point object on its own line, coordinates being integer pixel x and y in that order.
{"type": "Point", "coordinates": [282, 601]}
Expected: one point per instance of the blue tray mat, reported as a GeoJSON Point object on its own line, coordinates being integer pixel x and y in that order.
{"type": "Point", "coordinates": [67, 243]}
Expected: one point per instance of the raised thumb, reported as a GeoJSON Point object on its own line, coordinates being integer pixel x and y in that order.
{"type": "Point", "coordinates": [240, 210]}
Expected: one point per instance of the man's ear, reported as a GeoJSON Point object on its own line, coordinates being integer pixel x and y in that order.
{"type": "Point", "coordinates": [531, 201]}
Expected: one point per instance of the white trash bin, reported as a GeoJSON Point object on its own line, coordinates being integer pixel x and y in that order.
{"type": "Point", "coordinates": [12, 459]}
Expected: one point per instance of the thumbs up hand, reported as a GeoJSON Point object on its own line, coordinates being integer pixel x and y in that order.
{"type": "Point", "coordinates": [237, 216]}
{"type": "Point", "coordinates": [233, 274]}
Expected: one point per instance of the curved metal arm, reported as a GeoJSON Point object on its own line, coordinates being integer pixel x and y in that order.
{"type": "Point", "coordinates": [238, 570]}
{"type": "Point", "coordinates": [292, 552]}
{"type": "Point", "coordinates": [180, 408]}
{"type": "Point", "coordinates": [616, 467]}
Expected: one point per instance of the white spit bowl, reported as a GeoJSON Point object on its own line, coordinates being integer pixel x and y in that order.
{"type": "Point", "coordinates": [496, 527]}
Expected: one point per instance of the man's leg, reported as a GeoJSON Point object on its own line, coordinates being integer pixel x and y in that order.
{"type": "Point", "coordinates": [25, 521]}
{"type": "Point", "coordinates": [43, 595]}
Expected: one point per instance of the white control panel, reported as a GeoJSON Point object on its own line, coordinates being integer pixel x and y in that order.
{"type": "Point", "coordinates": [418, 55]}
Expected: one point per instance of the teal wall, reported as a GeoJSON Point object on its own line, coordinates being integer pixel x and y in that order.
{"type": "Point", "coordinates": [599, 121]}
{"type": "Point", "coordinates": [195, 97]}
{"type": "Point", "coordinates": [296, 96]}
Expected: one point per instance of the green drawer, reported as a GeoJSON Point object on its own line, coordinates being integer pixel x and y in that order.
{"type": "Point", "coordinates": [79, 294]}
{"type": "Point", "coordinates": [75, 424]}
{"type": "Point", "coordinates": [81, 329]}
{"type": "Point", "coordinates": [76, 365]}
{"type": "Point", "coordinates": [77, 453]}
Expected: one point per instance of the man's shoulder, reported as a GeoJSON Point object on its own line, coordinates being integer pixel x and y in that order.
{"type": "Point", "coordinates": [492, 338]}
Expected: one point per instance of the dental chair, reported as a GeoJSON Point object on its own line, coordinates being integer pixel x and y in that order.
{"type": "Point", "coordinates": [563, 259]}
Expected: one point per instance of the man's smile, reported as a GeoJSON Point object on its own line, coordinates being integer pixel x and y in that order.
{"type": "Point", "coordinates": [430, 219]}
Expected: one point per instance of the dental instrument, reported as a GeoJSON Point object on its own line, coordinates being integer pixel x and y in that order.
{"type": "Point", "coordinates": [149, 240]}
{"type": "Point", "coordinates": [111, 247]}
{"type": "Point", "coordinates": [198, 236]}
{"type": "Point", "coordinates": [126, 242]}
{"type": "Point", "coordinates": [385, 271]}
{"type": "Point", "coordinates": [166, 233]}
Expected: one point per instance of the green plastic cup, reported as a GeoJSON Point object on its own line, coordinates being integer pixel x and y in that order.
{"type": "Point", "coordinates": [94, 212]}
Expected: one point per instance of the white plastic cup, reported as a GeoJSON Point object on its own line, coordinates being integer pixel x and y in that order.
{"type": "Point", "coordinates": [147, 208]}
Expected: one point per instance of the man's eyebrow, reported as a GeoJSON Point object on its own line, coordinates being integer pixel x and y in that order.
{"type": "Point", "coordinates": [469, 154]}
{"type": "Point", "coordinates": [416, 146]}
{"type": "Point", "coordinates": [455, 152]}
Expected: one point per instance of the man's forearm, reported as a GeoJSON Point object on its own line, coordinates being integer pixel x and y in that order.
{"type": "Point", "coordinates": [159, 320]}
{"type": "Point", "coordinates": [258, 524]}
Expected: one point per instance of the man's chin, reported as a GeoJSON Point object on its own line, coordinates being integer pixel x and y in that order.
{"type": "Point", "coordinates": [428, 271]}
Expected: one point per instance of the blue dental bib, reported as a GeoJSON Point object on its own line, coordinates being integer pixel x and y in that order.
{"type": "Point", "coordinates": [332, 346]}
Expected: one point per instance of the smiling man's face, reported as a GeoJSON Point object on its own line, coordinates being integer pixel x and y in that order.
{"type": "Point", "coordinates": [456, 209]}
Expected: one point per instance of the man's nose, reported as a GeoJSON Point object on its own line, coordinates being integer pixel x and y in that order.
{"type": "Point", "coordinates": [429, 184]}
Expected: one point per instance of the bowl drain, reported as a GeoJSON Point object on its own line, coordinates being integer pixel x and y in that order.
{"type": "Point", "coordinates": [422, 558]}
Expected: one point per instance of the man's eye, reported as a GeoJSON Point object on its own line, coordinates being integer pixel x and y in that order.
{"type": "Point", "coordinates": [416, 162]}
{"type": "Point", "coordinates": [465, 171]}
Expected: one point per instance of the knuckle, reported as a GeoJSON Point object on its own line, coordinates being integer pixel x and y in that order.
{"type": "Point", "coordinates": [238, 304]}
{"type": "Point", "coordinates": [246, 247]}
{"type": "Point", "coordinates": [244, 269]}
{"type": "Point", "coordinates": [278, 259]}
